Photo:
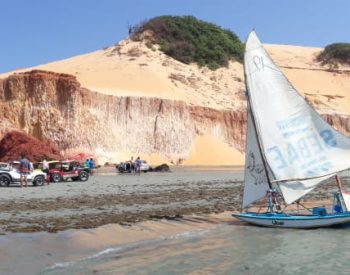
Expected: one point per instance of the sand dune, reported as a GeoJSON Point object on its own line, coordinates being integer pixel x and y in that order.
{"type": "Point", "coordinates": [132, 69]}
{"type": "Point", "coordinates": [208, 150]}
{"type": "Point", "coordinates": [325, 88]}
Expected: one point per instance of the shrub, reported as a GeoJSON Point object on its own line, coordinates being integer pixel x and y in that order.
{"type": "Point", "coordinates": [188, 39]}
{"type": "Point", "coordinates": [335, 53]}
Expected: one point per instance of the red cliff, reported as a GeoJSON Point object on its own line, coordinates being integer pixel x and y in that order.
{"type": "Point", "coordinates": [53, 106]}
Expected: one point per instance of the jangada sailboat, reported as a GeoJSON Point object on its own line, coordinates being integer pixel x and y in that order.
{"type": "Point", "coordinates": [290, 149]}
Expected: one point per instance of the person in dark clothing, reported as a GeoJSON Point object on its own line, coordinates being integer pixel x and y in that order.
{"type": "Point", "coordinates": [24, 169]}
{"type": "Point", "coordinates": [92, 166]}
{"type": "Point", "coordinates": [46, 169]}
{"type": "Point", "coordinates": [138, 166]}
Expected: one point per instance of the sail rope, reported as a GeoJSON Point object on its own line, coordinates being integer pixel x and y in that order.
{"type": "Point", "coordinates": [299, 203]}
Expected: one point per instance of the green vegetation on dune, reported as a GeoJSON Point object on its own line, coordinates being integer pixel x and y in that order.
{"type": "Point", "coordinates": [188, 40]}
{"type": "Point", "coordinates": [335, 53]}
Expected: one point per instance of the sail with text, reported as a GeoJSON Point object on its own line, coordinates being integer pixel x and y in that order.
{"type": "Point", "coordinates": [285, 136]}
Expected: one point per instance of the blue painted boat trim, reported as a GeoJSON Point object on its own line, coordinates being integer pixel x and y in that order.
{"type": "Point", "coordinates": [284, 216]}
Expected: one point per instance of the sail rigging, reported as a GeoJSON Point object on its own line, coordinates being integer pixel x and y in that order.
{"type": "Point", "coordinates": [293, 143]}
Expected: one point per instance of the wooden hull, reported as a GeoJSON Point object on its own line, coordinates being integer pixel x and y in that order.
{"type": "Point", "coordinates": [284, 220]}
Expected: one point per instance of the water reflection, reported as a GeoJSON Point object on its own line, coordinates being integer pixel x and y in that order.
{"type": "Point", "coordinates": [228, 249]}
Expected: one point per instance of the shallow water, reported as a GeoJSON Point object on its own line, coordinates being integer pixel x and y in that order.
{"type": "Point", "coordinates": [202, 246]}
{"type": "Point", "coordinates": [229, 248]}
{"type": "Point", "coordinates": [226, 250]}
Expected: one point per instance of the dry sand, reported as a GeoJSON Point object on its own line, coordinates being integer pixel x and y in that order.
{"type": "Point", "coordinates": [208, 150]}
{"type": "Point", "coordinates": [325, 87]}
{"type": "Point", "coordinates": [132, 69]}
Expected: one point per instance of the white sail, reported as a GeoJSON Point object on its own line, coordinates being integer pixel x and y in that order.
{"type": "Point", "coordinates": [296, 142]}
{"type": "Point", "coordinates": [346, 199]}
{"type": "Point", "coordinates": [255, 179]}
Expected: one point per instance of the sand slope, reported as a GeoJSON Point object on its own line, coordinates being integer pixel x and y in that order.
{"type": "Point", "coordinates": [326, 88]}
{"type": "Point", "coordinates": [132, 69]}
{"type": "Point", "coordinates": [208, 150]}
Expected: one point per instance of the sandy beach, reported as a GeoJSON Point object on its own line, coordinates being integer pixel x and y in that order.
{"type": "Point", "coordinates": [108, 197]}
{"type": "Point", "coordinates": [56, 251]}
{"type": "Point", "coordinates": [114, 223]}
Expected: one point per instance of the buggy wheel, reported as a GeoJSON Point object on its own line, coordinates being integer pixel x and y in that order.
{"type": "Point", "coordinates": [55, 177]}
{"type": "Point", "coordinates": [5, 180]}
{"type": "Point", "coordinates": [83, 176]}
{"type": "Point", "coordinates": [39, 181]}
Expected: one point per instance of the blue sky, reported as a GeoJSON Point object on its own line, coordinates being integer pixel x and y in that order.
{"type": "Point", "coordinates": [34, 32]}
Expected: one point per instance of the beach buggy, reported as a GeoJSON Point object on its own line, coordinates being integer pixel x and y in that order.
{"type": "Point", "coordinates": [9, 174]}
{"type": "Point", "coordinates": [64, 170]}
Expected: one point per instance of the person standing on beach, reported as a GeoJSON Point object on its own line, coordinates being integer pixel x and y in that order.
{"type": "Point", "coordinates": [46, 171]}
{"type": "Point", "coordinates": [87, 163]}
{"type": "Point", "coordinates": [91, 166]}
{"type": "Point", "coordinates": [24, 169]}
{"type": "Point", "coordinates": [138, 166]}
{"type": "Point", "coordinates": [132, 165]}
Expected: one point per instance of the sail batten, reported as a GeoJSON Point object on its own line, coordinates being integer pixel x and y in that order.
{"type": "Point", "coordinates": [298, 146]}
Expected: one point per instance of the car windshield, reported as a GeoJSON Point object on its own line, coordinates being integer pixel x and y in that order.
{"type": "Point", "coordinates": [15, 165]}
{"type": "Point", "coordinates": [55, 165]}
{"type": "Point", "coordinates": [3, 165]}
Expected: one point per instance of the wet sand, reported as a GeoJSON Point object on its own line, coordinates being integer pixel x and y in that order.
{"type": "Point", "coordinates": [195, 244]}
{"type": "Point", "coordinates": [108, 197]}
{"type": "Point", "coordinates": [126, 223]}
{"type": "Point", "coordinates": [43, 252]}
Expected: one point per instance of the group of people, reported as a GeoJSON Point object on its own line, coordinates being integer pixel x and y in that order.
{"type": "Point", "coordinates": [26, 167]}
{"type": "Point", "coordinates": [90, 163]}
{"type": "Point", "coordinates": [136, 165]}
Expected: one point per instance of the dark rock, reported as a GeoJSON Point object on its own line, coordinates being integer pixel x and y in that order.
{"type": "Point", "coordinates": [160, 168]}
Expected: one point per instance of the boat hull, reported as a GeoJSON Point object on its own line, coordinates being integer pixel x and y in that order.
{"type": "Point", "coordinates": [283, 220]}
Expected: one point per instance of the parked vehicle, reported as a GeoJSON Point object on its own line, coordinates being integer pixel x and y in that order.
{"type": "Point", "coordinates": [3, 165]}
{"type": "Point", "coordinates": [125, 167]}
{"type": "Point", "coordinates": [64, 170]}
{"type": "Point", "coordinates": [10, 175]}
{"type": "Point", "coordinates": [144, 166]}
{"type": "Point", "coordinates": [128, 167]}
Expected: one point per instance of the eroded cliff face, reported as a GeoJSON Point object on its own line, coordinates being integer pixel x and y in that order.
{"type": "Point", "coordinates": [54, 106]}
